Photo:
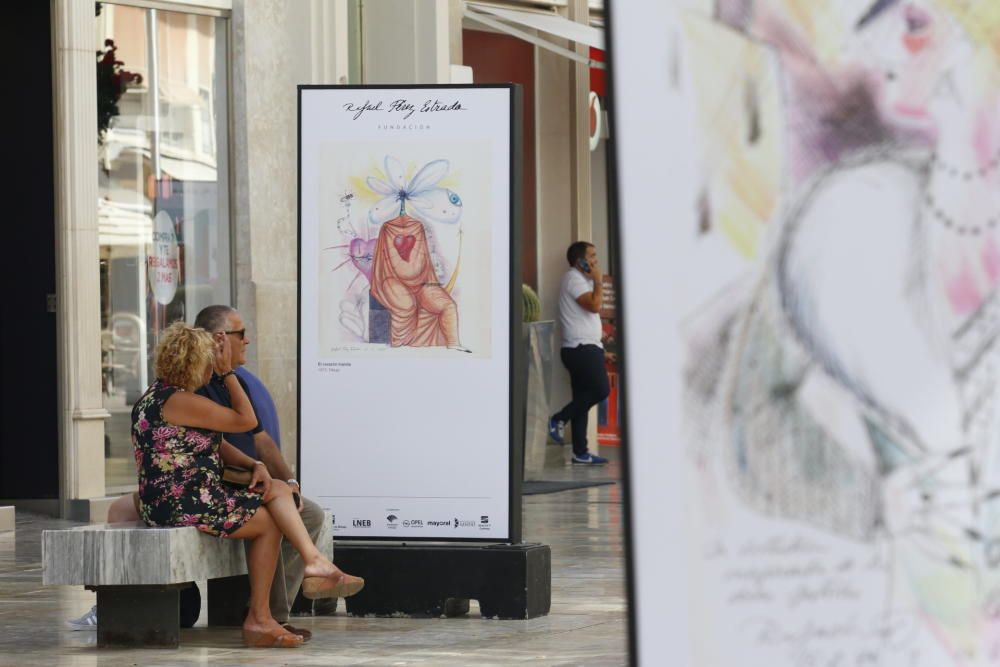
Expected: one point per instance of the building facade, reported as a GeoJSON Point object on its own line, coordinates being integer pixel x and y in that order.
{"type": "Point", "coordinates": [172, 184]}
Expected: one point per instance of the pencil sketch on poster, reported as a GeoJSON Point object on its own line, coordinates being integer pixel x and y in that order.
{"type": "Point", "coordinates": [405, 261]}
{"type": "Point", "coordinates": [841, 372]}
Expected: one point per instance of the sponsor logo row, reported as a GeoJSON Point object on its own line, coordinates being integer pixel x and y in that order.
{"type": "Point", "coordinates": [392, 521]}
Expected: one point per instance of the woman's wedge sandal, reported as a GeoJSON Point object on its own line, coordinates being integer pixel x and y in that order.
{"type": "Point", "coordinates": [280, 638]}
{"type": "Point", "coordinates": [340, 585]}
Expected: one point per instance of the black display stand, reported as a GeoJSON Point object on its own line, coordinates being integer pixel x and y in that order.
{"type": "Point", "coordinates": [510, 581]}
{"type": "Point", "coordinates": [437, 575]}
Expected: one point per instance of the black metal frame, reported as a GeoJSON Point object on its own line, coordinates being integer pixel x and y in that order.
{"type": "Point", "coordinates": [614, 232]}
{"type": "Point", "coordinates": [517, 397]}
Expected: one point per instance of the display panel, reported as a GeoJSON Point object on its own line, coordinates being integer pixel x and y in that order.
{"type": "Point", "coordinates": [406, 320]}
{"type": "Point", "coordinates": [810, 262]}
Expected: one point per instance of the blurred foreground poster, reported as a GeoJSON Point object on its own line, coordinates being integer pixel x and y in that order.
{"type": "Point", "coordinates": [809, 198]}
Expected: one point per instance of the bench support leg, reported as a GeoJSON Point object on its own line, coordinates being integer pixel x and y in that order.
{"type": "Point", "coordinates": [138, 616]}
{"type": "Point", "coordinates": [227, 600]}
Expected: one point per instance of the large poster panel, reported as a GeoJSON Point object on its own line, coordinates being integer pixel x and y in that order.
{"type": "Point", "coordinates": [405, 309]}
{"type": "Point", "coordinates": [810, 217]}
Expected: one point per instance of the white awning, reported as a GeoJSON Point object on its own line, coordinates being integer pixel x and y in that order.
{"type": "Point", "coordinates": [511, 21]}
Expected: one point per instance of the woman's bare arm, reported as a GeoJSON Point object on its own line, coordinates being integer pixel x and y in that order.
{"type": "Point", "coordinates": [188, 409]}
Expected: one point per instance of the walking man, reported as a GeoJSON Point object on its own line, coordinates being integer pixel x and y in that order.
{"type": "Point", "coordinates": [580, 298]}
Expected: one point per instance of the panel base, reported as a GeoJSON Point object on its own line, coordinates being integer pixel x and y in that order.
{"type": "Point", "coordinates": [509, 581]}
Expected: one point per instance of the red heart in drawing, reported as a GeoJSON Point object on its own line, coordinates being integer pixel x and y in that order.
{"type": "Point", "coordinates": [362, 253]}
{"type": "Point", "coordinates": [404, 245]}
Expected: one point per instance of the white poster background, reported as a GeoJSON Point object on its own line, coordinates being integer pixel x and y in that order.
{"type": "Point", "coordinates": [406, 442]}
{"type": "Point", "coordinates": [719, 578]}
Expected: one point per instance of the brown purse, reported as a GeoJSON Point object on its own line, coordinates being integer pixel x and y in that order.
{"type": "Point", "coordinates": [236, 475]}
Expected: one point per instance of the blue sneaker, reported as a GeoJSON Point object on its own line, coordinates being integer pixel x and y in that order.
{"type": "Point", "coordinates": [557, 430]}
{"type": "Point", "coordinates": [86, 622]}
{"type": "Point", "coordinates": [590, 459]}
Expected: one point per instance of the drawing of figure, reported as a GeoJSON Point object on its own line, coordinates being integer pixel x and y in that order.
{"type": "Point", "coordinates": [404, 300]}
{"type": "Point", "coordinates": [860, 385]}
{"type": "Point", "coordinates": [422, 313]}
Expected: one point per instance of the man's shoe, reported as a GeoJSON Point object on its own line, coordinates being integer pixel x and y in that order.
{"type": "Point", "coordinates": [302, 606]}
{"type": "Point", "coordinates": [589, 459]}
{"type": "Point", "coordinates": [557, 430]}
{"type": "Point", "coordinates": [324, 607]}
{"type": "Point", "coordinates": [86, 622]}
{"type": "Point", "coordinates": [190, 605]}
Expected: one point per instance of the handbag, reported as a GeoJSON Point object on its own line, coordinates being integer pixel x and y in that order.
{"type": "Point", "coordinates": [237, 475]}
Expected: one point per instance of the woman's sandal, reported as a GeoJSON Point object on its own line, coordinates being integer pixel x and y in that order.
{"type": "Point", "coordinates": [280, 638]}
{"type": "Point", "coordinates": [340, 585]}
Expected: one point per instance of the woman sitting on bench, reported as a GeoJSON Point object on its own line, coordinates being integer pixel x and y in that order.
{"type": "Point", "coordinates": [179, 455]}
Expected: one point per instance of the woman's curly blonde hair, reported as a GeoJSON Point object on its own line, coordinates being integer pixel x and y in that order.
{"type": "Point", "coordinates": [184, 355]}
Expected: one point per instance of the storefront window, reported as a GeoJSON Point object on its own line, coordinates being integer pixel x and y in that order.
{"type": "Point", "coordinates": [163, 199]}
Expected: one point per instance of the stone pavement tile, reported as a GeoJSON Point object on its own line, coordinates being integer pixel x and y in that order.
{"type": "Point", "coordinates": [587, 624]}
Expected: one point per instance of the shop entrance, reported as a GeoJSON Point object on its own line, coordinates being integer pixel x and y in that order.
{"type": "Point", "coordinates": [29, 415]}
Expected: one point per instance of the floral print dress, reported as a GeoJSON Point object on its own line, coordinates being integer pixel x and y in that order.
{"type": "Point", "coordinates": [180, 472]}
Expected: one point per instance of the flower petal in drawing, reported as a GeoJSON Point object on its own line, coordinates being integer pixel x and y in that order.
{"type": "Point", "coordinates": [385, 210]}
{"type": "Point", "coordinates": [395, 172]}
{"type": "Point", "coordinates": [439, 205]}
{"type": "Point", "coordinates": [428, 176]}
{"type": "Point", "coordinates": [428, 202]}
{"type": "Point", "coordinates": [381, 187]}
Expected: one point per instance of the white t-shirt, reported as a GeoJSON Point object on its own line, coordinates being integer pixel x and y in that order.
{"type": "Point", "coordinates": [579, 325]}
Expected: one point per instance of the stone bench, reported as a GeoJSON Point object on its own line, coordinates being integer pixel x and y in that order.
{"type": "Point", "coordinates": [138, 572]}
{"type": "Point", "coordinates": [7, 515]}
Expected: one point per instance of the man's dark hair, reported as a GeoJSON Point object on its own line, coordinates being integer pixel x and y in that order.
{"type": "Point", "coordinates": [213, 318]}
{"type": "Point", "coordinates": [577, 251]}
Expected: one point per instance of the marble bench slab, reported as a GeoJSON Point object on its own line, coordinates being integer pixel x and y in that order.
{"type": "Point", "coordinates": [7, 517]}
{"type": "Point", "coordinates": [133, 554]}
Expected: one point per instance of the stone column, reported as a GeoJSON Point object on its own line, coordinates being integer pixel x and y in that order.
{"type": "Point", "coordinates": [329, 41]}
{"type": "Point", "coordinates": [579, 121]}
{"type": "Point", "coordinates": [277, 45]}
{"type": "Point", "coordinates": [564, 209]}
{"type": "Point", "coordinates": [579, 86]}
{"type": "Point", "coordinates": [456, 11]}
{"type": "Point", "coordinates": [81, 409]}
{"type": "Point", "coordinates": [406, 41]}
{"type": "Point", "coordinates": [556, 227]}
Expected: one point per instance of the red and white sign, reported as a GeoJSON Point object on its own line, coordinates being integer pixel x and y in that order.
{"type": "Point", "coordinates": [162, 262]}
{"type": "Point", "coordinates": [596, 120]}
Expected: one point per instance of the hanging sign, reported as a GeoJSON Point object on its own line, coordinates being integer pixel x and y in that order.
{"type": "Point", "coordinates": [163, 262]}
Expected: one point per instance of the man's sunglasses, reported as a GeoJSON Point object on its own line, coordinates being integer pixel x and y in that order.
{"type": "Point", "coordinates": [241, 334]}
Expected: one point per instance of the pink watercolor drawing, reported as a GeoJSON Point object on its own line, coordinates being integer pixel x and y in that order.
{"type": "Point", "coordinates": [849, 380]}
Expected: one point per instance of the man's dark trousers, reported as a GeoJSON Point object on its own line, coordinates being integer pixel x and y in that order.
{"type": "Point", "coordinates": [589, 381]}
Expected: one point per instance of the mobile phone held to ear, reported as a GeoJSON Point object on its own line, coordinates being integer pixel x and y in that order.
{"type": "Point", "coordinates": [584, 265]}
